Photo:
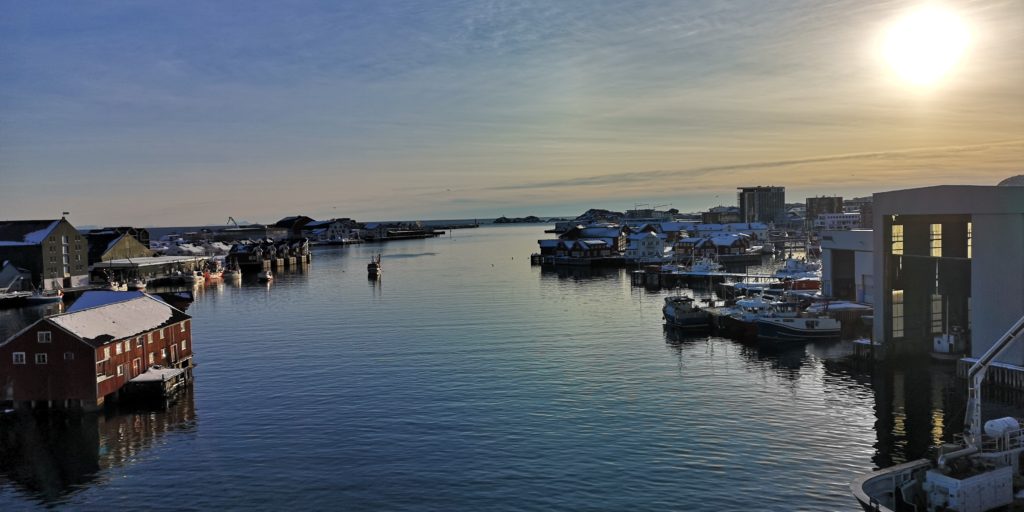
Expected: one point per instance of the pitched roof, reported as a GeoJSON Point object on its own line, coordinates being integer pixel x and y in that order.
{"type": "Point", "coordinates": [116, 315]}
{"type": "Point", "coordinates": [25, 232]}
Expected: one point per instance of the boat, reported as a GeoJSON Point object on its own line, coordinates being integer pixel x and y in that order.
{"type": "Point", "coordinates": [373, 268]}
{"type": "Point", "coordinates": [213, 275]}
{"type": "Point", "coordinates": [14, 299]}
{"type": "Point", "coordinates": [706, 266]}
{"type": "Point", "coordinates": [194, 277]}
{"type": "Point", "coordinates": [784, 322]}
{"type": "Point", "coordinates": [796, 268]}
{"type": "Point", "coordinates": [977, 472]}
{"type": "Point", "coordinates": [137, 284]}
{"type": "Point", "coordinates": [683, 312]}
{"type": "Point", "coordinates": [116, 286]}
{"type": "Point", "coordinates": [232, 273]}
{"type": "Point", "coordinates": [739, 320]}
{"type": "Point", "coordinates": [45, 297]}
{"type": "Point", "coordinates": [265, 275]}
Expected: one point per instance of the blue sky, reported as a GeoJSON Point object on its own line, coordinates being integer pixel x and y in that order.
{"type": "Point", "coordinates": [187, 112]}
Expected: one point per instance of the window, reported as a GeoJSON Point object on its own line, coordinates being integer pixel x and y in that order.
{"type": "Point", "coordinates": [69, 356]}
{"type": "Point", "coordinates": [897, 238]}
{"type": "Point", "coordinates": [120, 370]}
{"type": "Point", "coordinates": [149, 338]}
{"type": "Point", "coordinates": [19, 358]}
{"type": "Point", "coordinates": [161, 334]}
{"type": "Point", "coordinates": [117, 348]}
{"type": "Point", "coordinates": [40, 358]}
{"type": "Point", "coordinates": [183, 327]}
{"type": "Point", "coordinates": [44, 337]}
{"type": "Point", "coordinates": [897, 313]}
{"type": "Point", "coordinates": [183, 345]}
{"type": "Point", "coordinates": [970, 237]}
{"type": "Point", "coordinates": [935, 239]}
{"type": "Point", "coordinates": [150, 358]}
{"type": "Point", "coordinates": [163, 353]}
{"type": "Point", "coordinates": [138, 343]}
{"type": "Point", "coordinates": [106, 353]}
{"type": "Point", "coordinates": [936, 314]}
{"type": "Point", "coordinates": [64, 239]}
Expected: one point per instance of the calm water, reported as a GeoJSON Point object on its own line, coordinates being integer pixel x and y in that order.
{"type": "Point", "coordinates": [465, 379]}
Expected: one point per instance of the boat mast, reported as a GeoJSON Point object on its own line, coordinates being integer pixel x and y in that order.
{"type": "Point", "coordinates": [976, 374]}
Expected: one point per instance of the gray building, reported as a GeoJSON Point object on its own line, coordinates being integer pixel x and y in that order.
{"type": "Point", "coordinates": [948, 256]}
{"type": "Point", "coordinates": [52, 250]}
{"type": "Point", "coordinates": [819, 205]}
{"type": "Point", "coordinates": [762, 204]}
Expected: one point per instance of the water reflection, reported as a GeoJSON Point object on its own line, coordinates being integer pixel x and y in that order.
{"type": "Point", "coordinates": [50, 457]}
{"type": "Point", "coordinates": [579, 273]}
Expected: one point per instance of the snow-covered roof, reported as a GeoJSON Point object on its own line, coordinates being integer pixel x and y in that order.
{"type": "Point", "coordinates": [157, 374]}
{"type": "Point", "coordinates": [25, 232]}
{"type": "Point", "coordinates": [725, 240]}
{"type": "Point", "coordinates": [603, 232]}
{"type": "Point", "coordinates": [96, 298]}
{"type": "Point", "coordinates": [118, 319]}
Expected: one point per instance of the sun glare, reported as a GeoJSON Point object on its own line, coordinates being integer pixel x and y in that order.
{"type": "Point", "coordinates": [926, 44]}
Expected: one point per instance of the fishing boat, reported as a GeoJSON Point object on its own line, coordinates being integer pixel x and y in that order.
{"type": "Point", "coordinates": [44, 297]}
{"type": "Point", "coordinates": [233, 273]}
{"type": "Point", "coordinates": [683, 312]}
{"type": "Point", "coordinates": [784, 322]}
{"type": "Point", "coordinates": [739, 321]}
{"type": "Point", "coordinates": [373, 268]}
{"type": "Point", "coordinates": [980, 471]}
{"type": "Point", "coordinates": [796, 268]}
{"type": "Point", "coordinates": [116, 286]}
{"type": "Point", "coordinates": [706, 266]}
{"type": "Point", "coordinates": [137, 284]}
{"type": "Point", "coordinates": [265, 275]}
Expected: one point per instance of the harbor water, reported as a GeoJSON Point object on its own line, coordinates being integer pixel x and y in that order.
{"type": "Point", "coordinates": [465, 379]}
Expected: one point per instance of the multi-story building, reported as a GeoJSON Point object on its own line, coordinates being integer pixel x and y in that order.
{"type": "Point", "coordinates": [819, 205]}
{"type": "Point", "coordinates": [762, 204]}
{"type": "Point", "coordinates": [53, 251]}
{"type": "Point", "coordinates": [949, 257]}
{"type": "Point", "coordinates": [836, 221]}
{"type": "Point", "coordinates": [80, 358]}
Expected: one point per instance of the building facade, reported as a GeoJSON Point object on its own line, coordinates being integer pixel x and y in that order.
{"type": "Point", "coordinates": [819, 205]}
{"type": "Point", "coordinates": [81, 358]}
{"type": "Point", "coordinates": [53, 251]}
{"type": "Point", "coordinates": [762, 204]}
{"type": "Point", "coordinates": [949, 257]}
{"type": "Point", "coordinates": [847, 267]}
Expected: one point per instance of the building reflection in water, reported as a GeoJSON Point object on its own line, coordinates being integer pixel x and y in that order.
{"type": "Point", "coordinates": [48, 458]}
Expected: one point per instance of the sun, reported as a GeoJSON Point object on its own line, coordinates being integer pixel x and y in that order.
{"type": "Point", "coordinates": [923, 46]}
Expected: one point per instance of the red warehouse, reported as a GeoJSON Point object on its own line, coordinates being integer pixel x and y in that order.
{"type": "Point", "coordinates": [84, 356]}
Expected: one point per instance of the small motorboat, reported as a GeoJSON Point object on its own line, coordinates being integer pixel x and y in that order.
{"type": "Point", "coordinates": [137, 284]}
{"type": "Point", "coordinates": [45, 297]}
{"type": "Point", "coordinates": [683, 312]}
{"type": "Point", "coordinates": [265, 275]}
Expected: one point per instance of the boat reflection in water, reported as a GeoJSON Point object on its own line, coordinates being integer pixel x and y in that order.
{"type": "Point", "coordinates": [49, 458]}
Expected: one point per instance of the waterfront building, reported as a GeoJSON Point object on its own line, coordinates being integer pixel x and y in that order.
{"type": "Point", "coordinates": [107, 245]}
{"type": "Point", "coordinates": [847, 265]}
{"type": "Point", "coordinates": [14, 279]}
{"type": "Point", "coordinates": [818, 205]}
{"type": "Point", "coordinates": [140, 234]}
{"type": "Point", "coordinates": [836, 221]}
{"type": "Point", "coordinates": [53, 251]}
{"type": "Point", "coordinates": [762, 204]}
{"type": "Point", "coordinates": [756, 230]}
{"type": "Point", "coordinates": [294, 224]}
{"type": "Point", "coordinates": [647, 247]}
{"type": "Point", "coordinates": [81, 358]}
{"type": "Point", "coordinates": [614, 235]}
{"type": "Point", "coordinates": [712, 246]}
{"type": "Point", "coordinates": [721, 215]}
{"type": "Point", "coordinates": [953, 256]}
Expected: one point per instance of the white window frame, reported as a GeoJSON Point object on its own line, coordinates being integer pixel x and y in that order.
{"type": "Point", "coordinates": [120, 370]}
{"type": "Point", "coordinates": [183, 345]}
{"type": "Point", "coordinates": [18, 358]}
{"type": "Point", "coordinates": [41, 358]}
{"type": "Point", "coordinates": [161, 334]}
{"type": "Point", "coordinates": [44, 337]}
{"type": "Point", "coordinates": [183, 327]}
{"type": "Point", "coordinates": [149, 338]}
{"type": "Point", "coordinates": [152, 358]}
{"type": "Point", "coordinates": [117, 348]}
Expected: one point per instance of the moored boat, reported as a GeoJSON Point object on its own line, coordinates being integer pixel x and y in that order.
{"type": "Point", "coordinates": [683, 312]}
{"type": "Point", "coordinates": [137, 284]}
{"type": "Point", "coordinates": [373, 268]}
{"type": "Point", "coordinates": [265, 275]}
{"type": "Point", "coordinates": [45, 297]}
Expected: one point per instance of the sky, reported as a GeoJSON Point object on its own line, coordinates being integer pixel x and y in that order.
{"type": "Point", "coordinates": [181, 113]}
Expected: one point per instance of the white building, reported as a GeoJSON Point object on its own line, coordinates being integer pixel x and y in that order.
{"type": "Point", "coordinates": [836, 221]}
{"type": "Point", "coordinates": [647, 247]}
{"type": "Point", "coordinates": [953, 256]}
{"type": "Point", "coordinates": [847, 265]}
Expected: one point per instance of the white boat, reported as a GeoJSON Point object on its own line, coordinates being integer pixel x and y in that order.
{"type": "Point", "coordinates": [117, 286]}
{"type": "Point", "coordinates": [265, 275]}
{"type": "Point", "coordinates": [978, 473]}
{"type": "Point", "coordinates": [794, 268]}
{"type": "Point", "coordinates": [45, 297]}
{"type": "Point", "coordinates": [783, 322]}
{"type": "Point", "coordinates": [137, 284]}
{"type": "Point", "coordinates": [681, 311]}
{"type": "Point", "coordinates": [195, 277]}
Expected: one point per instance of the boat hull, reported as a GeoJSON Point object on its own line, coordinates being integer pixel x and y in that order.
{"type": "Point", "coordinates": [796, 330]}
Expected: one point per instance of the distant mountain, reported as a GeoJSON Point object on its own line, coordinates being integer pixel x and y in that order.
{"type": "Point", "coordinates": [518, 220]}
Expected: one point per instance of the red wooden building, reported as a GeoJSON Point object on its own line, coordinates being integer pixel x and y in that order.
{"type": "Point", "coordinates": [84, 356]}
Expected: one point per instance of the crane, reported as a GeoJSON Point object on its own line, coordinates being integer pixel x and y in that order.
{"type": "Point", "coordinates": [231, 220]}
{"type": "Point", "coordinates": [976, 374]}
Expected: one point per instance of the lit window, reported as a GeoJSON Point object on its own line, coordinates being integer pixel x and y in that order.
{"type": "Point", "coordinates": [69, 356]}
{"type": "Point", "coordinates": [19, 358]}
{"type": "Point", "coordinates": [117, 348]}
{"type": "Point", "coordinates": [936, 314]}
{"type": "Point", "coordinates": [150, 358]}
{"type": "Point", "coordinates": [897, 313]}
{"type": "Point", "coordinates": [44, 337]}
{"type": "Point", "coordinates": [120, 370]}
{"type": "Point", "coordinates": [149, 337]}
{"type": "Point", "coordinates": [183, 327]}
{"type": "Point", "coordinates": [106, 352]}
{"type": "Point", "coordinates": [897, 239]}
{"type": "Point", "coordinates": [970, 238]}
{"type": "Point", "coordinates": [40, 358]}
{"type": "Point", "coordinates": [935, 239]}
